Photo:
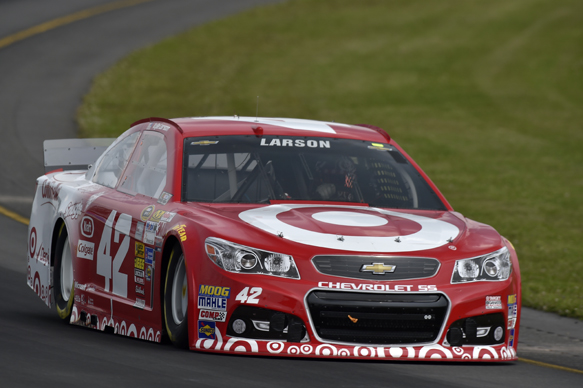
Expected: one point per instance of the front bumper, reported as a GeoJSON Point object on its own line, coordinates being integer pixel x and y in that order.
{"type": "Point", "coordinates": [300, 333]}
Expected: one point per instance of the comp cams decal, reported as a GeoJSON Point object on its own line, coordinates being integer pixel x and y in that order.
{"type": "Point", "coordinates": [303, 224]}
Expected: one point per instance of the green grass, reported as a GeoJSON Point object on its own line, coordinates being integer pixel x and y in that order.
{"type": "Point", "coordinates": [487, 96]}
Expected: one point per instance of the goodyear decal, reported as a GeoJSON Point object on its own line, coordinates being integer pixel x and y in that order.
{"type": "Point", "coordinates": [206, 330]}
{"type": "Point", "coordinates": [181, 231]}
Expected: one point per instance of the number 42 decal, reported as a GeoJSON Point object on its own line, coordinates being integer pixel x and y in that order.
{"type": "Point", "coordinates": [104, 262]}
{"type": "Point", "coordinates": [249, 295]}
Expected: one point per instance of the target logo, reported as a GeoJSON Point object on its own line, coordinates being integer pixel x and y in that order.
{"type": "Point", "coordinates": [352, 228]}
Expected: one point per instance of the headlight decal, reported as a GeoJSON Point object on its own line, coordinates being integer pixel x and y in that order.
{"type": "Point", "coordinates": [495, 266]}
{"type": "Point", "coordinates": [246, 260]}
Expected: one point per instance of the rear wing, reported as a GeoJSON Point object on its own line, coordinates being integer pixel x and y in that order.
{"type": "Point", "coordinates": [73, 154]}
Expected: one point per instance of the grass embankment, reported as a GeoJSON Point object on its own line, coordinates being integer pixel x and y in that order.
{"type": "Point", "coordinates": [486, 96]}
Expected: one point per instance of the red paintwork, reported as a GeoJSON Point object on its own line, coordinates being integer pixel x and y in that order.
{"type": "Point", "coordinates": [202, 220]}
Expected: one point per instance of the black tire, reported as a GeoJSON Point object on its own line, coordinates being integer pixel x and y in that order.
{"type": "Point", "coordinates": [176, 299]}
{"type": "Point", "coordinates": [63, 276]}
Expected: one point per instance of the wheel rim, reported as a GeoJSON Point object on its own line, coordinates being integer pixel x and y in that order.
{"type": "Point", "coordinates": [179, 293]}
{"type": "Point", "coordinates": [66, 271]}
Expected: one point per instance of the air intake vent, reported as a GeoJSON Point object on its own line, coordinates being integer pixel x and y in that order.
{"type": "Point", "coordinates": [386, 319]}
{"type": "Point", "coordinates": [363, 267]}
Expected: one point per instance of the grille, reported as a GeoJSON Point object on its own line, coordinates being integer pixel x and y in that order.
{"type": "Point", "coordinates": [377, 318]}
{"type": "Point", "coordinates": [349, 267]}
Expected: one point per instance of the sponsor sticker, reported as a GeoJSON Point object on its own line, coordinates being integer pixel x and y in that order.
{"type": "Point", "coordinates": [221, 292]}
{"type": "Point", "coordinates": [211, 315]}
{"type": "Point", "coordinates": [87, 227]}
{"type": "Point", "coordinates": [85, 250]}
{"type": "Point", "coordinates": [511, 338]}
{"type": "Point", "coordinates": [150, 232]}
{"type": "Point", "coordinates": [149, 255]}
{"type": "Point", "coordinates": [139, 272]}
{"type": "Point", "coordinates": [164, 198]}
{"type": "Point", "coordinates": [140, 249]}
{"type": "Point", "coordinates": [140, 303]}
{"type": "Point", "coordinates": [213, 297]}
{"type": "Point", "coordinates": [148, 272]}
{"type": "Point", "coordinates": [73, 210]}
{"type": "Point", "coordinates": [494, 302]}
{"type": "Point", "coordinates": [139, 263]}
{"type": "Point", "coordinates": [206, 330]}
{"type": "Point", "coordinates": [167, 217]}
{"type": "Point", "coordinates": [512, 311]}
{"type": "Point", "coordinates": [147, 212]}
{"type": "Point", "coordinates": [157, 216]}
{"type": "Point", "coordinates": [158, 126]}
{"type": "Point", "coordinates": [49, 191]}
{"type": "Point", "coordinates": [139, 280]}
{"type": "Point", "coordinates": [140, 290]}
{"type": "Point", "coordinates": [139, 231]}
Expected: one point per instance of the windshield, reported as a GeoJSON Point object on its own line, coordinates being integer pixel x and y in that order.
{"type": "Point", "coordinates": [248, 169]}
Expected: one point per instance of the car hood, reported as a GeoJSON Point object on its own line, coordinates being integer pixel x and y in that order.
{"type": "Point", "coordinates": [357, 228]}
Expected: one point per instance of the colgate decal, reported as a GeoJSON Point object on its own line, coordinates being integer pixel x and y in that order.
{"type": "Point", "coordinates": [85, 250]}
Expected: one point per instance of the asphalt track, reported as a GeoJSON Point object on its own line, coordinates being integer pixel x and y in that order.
{"type": "Point", "coordinates": [42, 80]}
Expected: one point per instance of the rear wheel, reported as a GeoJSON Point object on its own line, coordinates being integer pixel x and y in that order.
{"type": "Point", "coordinates": [63, 276]}
{"type": "Point", "coordinates": [176, 299]}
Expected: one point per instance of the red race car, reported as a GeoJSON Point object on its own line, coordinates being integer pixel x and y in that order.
{"type": "Point", "coordinates": [277, 237]}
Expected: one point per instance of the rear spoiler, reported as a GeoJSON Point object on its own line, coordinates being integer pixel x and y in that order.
{"type": "Point", "coordinates": [73, 154]}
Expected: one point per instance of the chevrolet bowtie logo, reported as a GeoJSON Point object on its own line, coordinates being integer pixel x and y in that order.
{"type": "Point", "coordinates": [378, 268]}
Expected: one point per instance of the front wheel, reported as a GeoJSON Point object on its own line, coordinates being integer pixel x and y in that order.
{"type": "Point", "coordinates": [176, 299]}
{"type": "Point", "coordinates": [63, 276]}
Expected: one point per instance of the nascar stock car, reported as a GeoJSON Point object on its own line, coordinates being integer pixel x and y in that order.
{"type": "Point", "coordinates": [279, 237]}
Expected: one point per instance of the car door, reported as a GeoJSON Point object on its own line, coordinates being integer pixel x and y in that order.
{"type": "Point", "coordinates": [144, 183]}
{"type": "Point", "coordinates": [105, 229]}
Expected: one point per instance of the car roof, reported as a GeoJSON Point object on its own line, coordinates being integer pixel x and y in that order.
{"type": "Point", "coordinates": [240, 125]}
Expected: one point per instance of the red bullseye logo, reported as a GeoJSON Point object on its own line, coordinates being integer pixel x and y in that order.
{"type": "Point", "coordinates": [351, 222]}
{"type": "Point", "coordinates": [32, 242]}
{"type": "Point", "coordinates": [352, 228]}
